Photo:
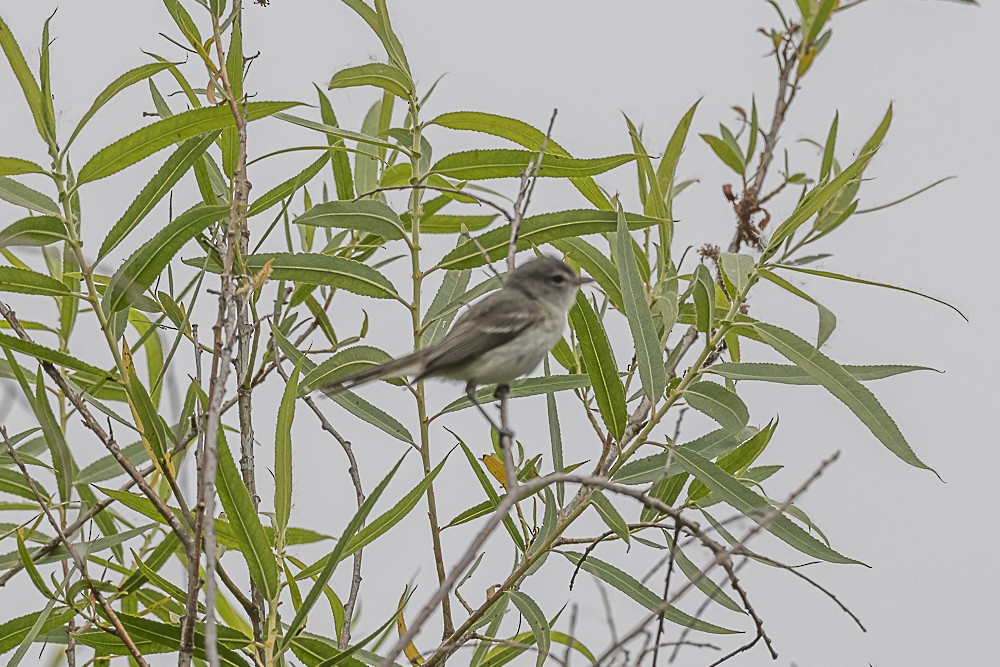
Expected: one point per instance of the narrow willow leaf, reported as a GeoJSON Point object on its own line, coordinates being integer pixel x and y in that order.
{"type": "Point", "coordinates": [12, 166]}
{"type": "Point", "coordinates": [179, 162]}
{"type": "Point", "coordinates": [597, 264]}
{"type": "Point", "coordinates": [731, 157]}
{"type": "Point", "coordinates": [155, 137]}
{"type": "Point", "coordinates": [550, 518]}
{"type": "Point", "coordinates": [666, 171]}
{"type": "Point", "coordinates": [524, 387]}
{"type": "Point", "coordinates": [39, 230]}
{"type": "Point", "coordinates": [397, 513]}
{"type": "Point", "coordinates": [62, 459]}
{"type": "Point", "coordinates": [454, 224]}
{"type": "Point", "coordinates": [245, 522]}
{"type": "Point", "coordinates": [491, 493]}
{"type": "Point", "coordinates": [286, 189]}
{"type": "Point", "coordinates": [13, 632]}
{"type": "Point", "coordinates": [342, 363]}
{"type": "Point", "coordinates": [595, 349]}
{"type": "Point", "coordinates": [611, 517]}
{"type": "Point", "coordinates": [107, 467]}
{"type": "Point", "coordinates": [841, 384]}
{"type": "Point", "coordinates": [738, 268]}
{"type": "Point", "coordinates": [532, 613]}
{"type": "Point", "coordinates": [827, 319]}
{"type": "Point", "coordinates": [737, 461]}
{"type": "Point", "coordinates": [19, 194]}
{"type": "Point", "coordinates": [314, 269]}
{"type": "Point", "coordinates": [381, 75]}
{"type": "Point", "coordinates": [703, 583]}
{"type": "Point", "coordinates": [342, 177]}
{"type": "Point", "coordinates": [334, 557]}
{"type": "Point", "coordinates": [648, 350]}
{"type": "Point", "coordinates": [821, 194]}
{"type": "Point", "coordinates": [35, 630]}
{"type": "Point", "coordinates": [127, 79]}
{"type": "Point", "coordinates": [704, 298]}
{"type": "Point", "coordinates": [755, 507]}
{"type": "Point", "coordinates": [631, 587]}
{"type": "Point", "coordinates": [139, 271]}
{"type": "Point", "coordinates": [719, 403]}
{"type": "Point", "coordinates": [338, 133]}
{"type": "Point", "coordinates": [43, 353]}
{"type": "Point", "coordinates": [283, 454]}
{"type": "Point", "coordinates": [160, 637]}
{"type": "Point", "coordinates": [366, 215]}
{"type": "Point", "coordinates": [536, 230]}
{"type": "Point", "coordinates": [29, 86]}
{"type": "Point", "coordinates": [524, 135]}
{"type": "Point", "coordinates": [26, 281]}
{"type": "Point", "coordinates": [435, 325]}
{"type": "Point", "coordinates": [795, 375]}
{"type": "Point", "coordinates": [828, 150]}
{"type": "Point", "coordinates": [510, 163]}
{"type": "Point", "coordinates": [860, 281]}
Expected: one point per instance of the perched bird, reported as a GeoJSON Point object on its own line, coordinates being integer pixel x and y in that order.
{"type": "Point", "coordinates": [498, 339]}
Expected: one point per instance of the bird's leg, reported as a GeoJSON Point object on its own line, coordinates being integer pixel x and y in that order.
{"type": "Point", "coordinates": [501, 394]}
{"type": "Point", "coordinates": [470, 392]}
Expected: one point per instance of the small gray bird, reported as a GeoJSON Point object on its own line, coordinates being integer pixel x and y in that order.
{"type": "Point", "coordinates": [498, 339]}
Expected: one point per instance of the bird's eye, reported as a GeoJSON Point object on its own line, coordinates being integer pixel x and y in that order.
{"type": "Point", "coordinates": [558, 279]}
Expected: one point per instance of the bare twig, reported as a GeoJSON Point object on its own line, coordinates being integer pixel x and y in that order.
{"type": "Point", "coordinates": [80, 563]}
{"type": "Point", "coordinates": [528, 179]}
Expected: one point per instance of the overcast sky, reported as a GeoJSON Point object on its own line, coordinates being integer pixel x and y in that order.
{"type": "Point", "coordinates": [929, 597]}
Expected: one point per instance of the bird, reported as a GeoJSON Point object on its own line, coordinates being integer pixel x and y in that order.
{"type": "Point", "coordinates": [500, 338]}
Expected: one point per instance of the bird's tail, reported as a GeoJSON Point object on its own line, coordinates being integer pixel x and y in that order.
{"type": "Point", "coordinates": [393, 368]}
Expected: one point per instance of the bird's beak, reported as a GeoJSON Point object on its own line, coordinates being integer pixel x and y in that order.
{"type": "Point", "coordinates": [584, 280]}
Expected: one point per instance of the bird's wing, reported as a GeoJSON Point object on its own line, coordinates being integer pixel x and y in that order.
{"type": "Point", "coordinates": [497, 319]}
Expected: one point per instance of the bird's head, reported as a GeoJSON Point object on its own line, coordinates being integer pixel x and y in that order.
{"type": "Point", "coordinates": [549, 280]}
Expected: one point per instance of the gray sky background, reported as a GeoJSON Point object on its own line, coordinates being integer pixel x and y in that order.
{"type": "Point", "coordinates": [929, 597]}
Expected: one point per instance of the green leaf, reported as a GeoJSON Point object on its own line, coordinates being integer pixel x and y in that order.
{"type": "Point", "coordinates": [731, 157]}
{"type": "Point", "coordinates": [491, 493]}
{"type": "Point", "coordinates": [738, 268]}
{"type": "Point", "coordinates": [454, 224]}
{"type": "Point", "coordinates": [334, 557]}
{"type": "Point", "coordinates": [828, 150]}
{"type": "Point", "coordinates": [435, 325]}
{"type": "Point", "coordinates": [381, 75]}
{"type": "Point", "coordinates": [666, 171]}
{"type": "Point", "coordinates": [39, 230]}
{"type": "Point", "coordinates": [737, 461]}
{"type": "Point", "coordinates": [339, 161]}
{"type": "Point", "coordinates": [139, 271]}
{"type": "Point", "coordinates": [338, 133]}
{"type": "Point", "coordinates": [366, 215]}
{"type": "Point", "coordinates": [62, 460]}
{"type": "Point", "coordinates": [524, 387]}
{"type": "Point", "coordinates": [522, 134]}
{"type": "Point", "coordinates": [289, 187]}
{"type": "Point", "coordinates": [722, 405]}
{"type": "Point", "coordinates": [12, 166]}
{"type": "Point", "coordinates": [597, 355]}
{"type": "Point", "coordinates": [755, 507]}
{"type": "Point", "coordinates": [397, 513]}
{"type": "Point", "coordinates": [13, 632]}
{"type": "Point", "coordinates": [631, 587]}
{"type": "Point", "coordinates": [29, 86]}
{"type": "Point", "coordinates": [611, 517]}
{"type": "Point", "coordinates": [536, 621]}
{"type": "Point", "coordinates": [536, 230]}
{"type": "Point", "coordinates": [795, 375]}
{"type": "Point", "coordinates": [860, 281]}
{"type": "Point", "coordinates": [35, 630]}
{"type": "Point", "coordinates": [827, 320]}
{"type": "Point", "coordinates": [704, 298]}
{"type": "Point", "coordinates": [648, 350]}
{"type": "Point", "coordinates": [19, 194]}
{"type": "Point", "coordinates": [314, 269]}
{"type": "Point", "coordinates": [165, 637]}
{"type": "Point", "coordinates": [245, 523]}
{"type": "Point", "coordinates": [511, 163]}
{"type": "Point", "coordinates": [43, 353]}
{"type": "Point", "coordinates": [597, 264]}
{"type": "Point", "coordinates": [26, 281]}
{"type": "Point", "coordinates": [342, 363]}
{"type": "Point", "coordinates": [703, 583]}
{"type": "Point", "coordinates": [155, 137]}
{"type": "Point", "coordinates": [841, 384]}
{"type": "Point", "coordinates": [283, 453]}
{"type": "Point", "coordinates": [127, 79]}
{"type": "Point", "coordinates": [179, 162]}
{"type": "Point", "coordinates": [816, 198]}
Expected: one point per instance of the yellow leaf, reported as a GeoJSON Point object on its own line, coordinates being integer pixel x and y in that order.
{"type": "Point", "coordinates": [805, 62]}
{"type": "Point", "coordinates": [495, 468]}
{"type": "Point", "coordinates": [411, 652]}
